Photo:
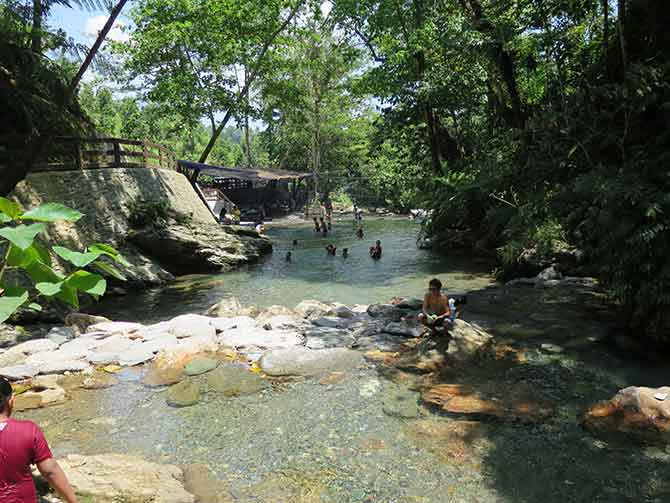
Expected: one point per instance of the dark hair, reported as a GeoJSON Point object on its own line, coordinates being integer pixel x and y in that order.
{"type": "Point", "coordinates": [5, 392]}
{"type": "Point", "coordinates": [436, 283]}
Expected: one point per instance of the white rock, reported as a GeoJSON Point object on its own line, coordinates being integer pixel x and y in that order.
{"type": "Point", "coordinates": [283, 322]}
{"type": "Point", "coordinates": [191, 325]}
{"type": "Point", "coordinates": [18, 372]}
{"type": "Point", "coordinates": [62, 366]}
{"type": "Point", "coordinates": [115, 327]}
{"type": "Point", "coordinates": [33, 347]}
{"type": "Point", "coordinates": [54, 357]}
{"type": "Point", "coordinates": [266, 339]}
{"type": "Point", "coordinates": [467, 340]}
{"type": "Point", "coordinates": [199, 344]}
{"type": "Point", "coordinates": [165, 342]}
{"type": "Point", "coordinates": [241, 322]}
{"type": "Point", "coordinates": [154, 331]}
{"type": "Point", "coordinates": [103, 358]}
{"type": "Point", "coordinates": [135, 356]}
{"type": "Point", "coordinates": [116, 344]}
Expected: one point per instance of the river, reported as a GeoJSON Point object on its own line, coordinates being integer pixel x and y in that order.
{"type": "Point", "coordinates": [304, 441]}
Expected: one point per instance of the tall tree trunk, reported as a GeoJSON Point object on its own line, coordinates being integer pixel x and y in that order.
{"type": "Point", "coordinates": [36, 31]}
{"type": "Point", "coordinates": [245, 89]}
{"type": "Point", "coordinates": [35, 145]}
{"type": "Point", "coordinates": [247, 138]}
{"type": "Point", "coordinates": [606, 36]}
{"type": "Point", "coordinates": [621, 23]}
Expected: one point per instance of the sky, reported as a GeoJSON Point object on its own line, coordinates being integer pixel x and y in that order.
{"type": "Point", "coordinates": [83, 25]}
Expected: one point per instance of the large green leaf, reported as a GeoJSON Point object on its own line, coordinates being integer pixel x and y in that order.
{"type": "Point", "coordinates": [10, 303]}
{"type": "Point", "coordinates": [109, 269]}
{"type": "Point", "coordinates": [9, 209]}
{"type": "Point", "coordinates": [77, 258]}
{"type": "Point", "coordinates": [52, 212]}
{"type": "Point", "coordinates": [22, 258]}
{"type": "Point", "coordinates": [4, 218]}
{"type": "Point", "coordinates": [42, 273]}
{"type": "Point", "coordinates": [22, 235]}
{"type": "Point", "coordinates": [88, 282]}
{"type": "Point", "coordinates": [49, 289]}
{"type": "Point", "coordinates": [110, 252]}
{"type": "Point", "coordinates": [69, 295]}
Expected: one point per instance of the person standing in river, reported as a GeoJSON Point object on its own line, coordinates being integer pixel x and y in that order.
{"type": "Point", "coordinates": [22, 444]}
{"type": "Point", "coordinates": [376, 250]}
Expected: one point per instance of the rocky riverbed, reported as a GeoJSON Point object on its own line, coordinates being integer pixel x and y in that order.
{"type": "Point", "coordinates": [334, 403]}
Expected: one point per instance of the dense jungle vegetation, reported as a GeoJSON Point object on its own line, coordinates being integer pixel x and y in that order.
{"type": "Point", "coordinates": [529, 127]}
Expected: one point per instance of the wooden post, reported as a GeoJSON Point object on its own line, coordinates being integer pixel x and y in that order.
{"type": "Point", "coordinates": [145, 153]}
{"type": "Point", "coordinates": [117, 154]}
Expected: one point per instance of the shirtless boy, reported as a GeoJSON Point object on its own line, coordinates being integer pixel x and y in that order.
{"type": "Point", "coordinates": [435, 306]}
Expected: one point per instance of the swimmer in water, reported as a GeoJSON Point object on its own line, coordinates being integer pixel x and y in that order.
{"type": "Point", "coordinates": [376, 250]}
{"type": "Point", "coordinates": [345, 252]}
{"type": "Point", "coordinates": [288, 256]}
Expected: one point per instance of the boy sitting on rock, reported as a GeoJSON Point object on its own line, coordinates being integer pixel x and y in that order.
{"type": "Point", "coordinates": [438, 310]}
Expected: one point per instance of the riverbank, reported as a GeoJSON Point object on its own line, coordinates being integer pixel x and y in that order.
{"type": "Point", "coordinates": [374, 415]}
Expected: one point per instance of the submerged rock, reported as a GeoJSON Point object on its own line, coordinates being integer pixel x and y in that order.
{"type": "Point", "coordinates": [200, 481]}
{"type": "Point", "coordinates": [117, 477]}
{"type": "Point", "coordinates": [199, 366]}
{"type": "Point", "coordinates": [231, 379]}
{"type": "Point", "coordinates": [640, 412]}
{"type": "Point", "coordinates": [510, 405]}
{"type": "Point", "coordinates": [183, 394]}
{"type": "Point", "coordinates": [306, 362]}
{"type": "Point", "coordinates": [401, 402]}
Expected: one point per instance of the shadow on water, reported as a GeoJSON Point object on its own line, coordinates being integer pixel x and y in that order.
{"type": "Point", "coordinates": [568, 362]}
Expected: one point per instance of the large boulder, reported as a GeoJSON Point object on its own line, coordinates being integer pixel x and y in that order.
{"type": "Point", "coordinates": [640, 412]}
{"type": "Point", "coordinates": [191, 325]}
{"type": "Point", "coordinates": [301, 361]}
{"type": "Point", "coordinates": [232, 379]}
{"type": "Point", "coordinates": [467, 341]}
{"type": "Point", "coordinates": [115, 477]}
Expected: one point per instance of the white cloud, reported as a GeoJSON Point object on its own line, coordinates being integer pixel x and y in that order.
{"type": "Point", "coordinates": [95, 23]}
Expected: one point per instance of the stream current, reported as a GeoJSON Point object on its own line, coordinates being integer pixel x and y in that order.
{"type": "Point", "coordinates": [303, 441]}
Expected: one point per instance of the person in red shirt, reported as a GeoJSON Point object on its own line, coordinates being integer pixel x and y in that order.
{"type": "Point", "coordinates": [22, 444]}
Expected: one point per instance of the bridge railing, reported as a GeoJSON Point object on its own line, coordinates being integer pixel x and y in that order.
{"type": "Point", "coordinates": [66, 154]}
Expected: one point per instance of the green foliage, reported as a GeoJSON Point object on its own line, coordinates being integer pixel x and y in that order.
{"type": "Point", "coordinates": [156, 214]}
{"type": "Point", "coordinates": [22, 251]}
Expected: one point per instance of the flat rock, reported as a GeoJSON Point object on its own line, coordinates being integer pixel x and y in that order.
{"type": "Point", "coordinates": [382, 342]}
{"type": "Point", "coordinates": [116, 344]}
{"type": "Point", "coordinates": [165, 342]}
{"type": "Point", "coordinates": [368, 328]}
{"type": "Point", "coordinates": [200, 365]}
{"type": "Point", "coordinates": [198, 344]}
{"type": "Point", "coordinates": [18, 372]}
{"type": "Point", "coordinates": [404, 328]}
{"type": "Point", "coordinates": [232, 379]}
{"type": "Point", "coordinates": [12, 359]}
{"type": "Point", "coordinates": [103, 358]}
{"type": "Point", "coordinates": [191, 325]}
{"type": "Point", "coordinates": [135, 356]}
{"type": "Point", "coordinates": [282, 322]}
{"type": "Point", "coordinates": [183, 394]}
{"type": "Point", "coordinates": [330, 322]}
{"type": "Point", "coordinates": [305, 362]}
{"type": "Point", "coordinates": [259, 338]}
{"type": "Point", "coordinates": [33, 347]}
{"type": "Point", "coordinates": [322, 337]}
{"type": "Point", "coordinates": [115, 327]}
{"type": "Point", "coordinates": [62, 366]}
{"type": "Point", "coordinates": [118, 477]}
{"type": "Point", "coordinates": [155, 331]}
{"type": "Point", "coordinates": [241, 322]}
{"type": "Point", "coordinates": [163, 376]}
{"type": "Point", "coordinates": [386, 311]}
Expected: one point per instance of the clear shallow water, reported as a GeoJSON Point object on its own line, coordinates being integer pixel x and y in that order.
{"type": "Point", "coordinates": [403, 270]}
{"type": "Point", "coordinates": [306, 442]}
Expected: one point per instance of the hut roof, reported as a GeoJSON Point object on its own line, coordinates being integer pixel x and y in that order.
{"type": "Point", "coordinates": [251, 174]}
